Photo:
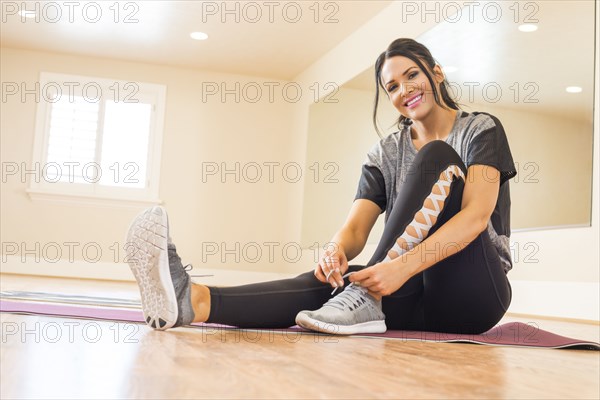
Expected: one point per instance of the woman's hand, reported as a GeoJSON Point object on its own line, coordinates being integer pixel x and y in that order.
{"type": "Point", "coordinates": [332, 266]}
{"type": "Point", "coordinates": [381, 279]}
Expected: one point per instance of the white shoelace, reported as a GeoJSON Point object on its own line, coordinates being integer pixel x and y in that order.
{"type": "Point", "coordinates": [344, 276]}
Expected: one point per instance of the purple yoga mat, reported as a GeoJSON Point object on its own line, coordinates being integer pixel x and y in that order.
{"type": "Point", "coordinates": [509, 334]}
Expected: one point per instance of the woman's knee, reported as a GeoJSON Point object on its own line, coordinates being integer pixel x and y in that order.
{"type": "Point", "coordinates": [437, 147]}
{"type": "Point", "coordinates": [436, 156]}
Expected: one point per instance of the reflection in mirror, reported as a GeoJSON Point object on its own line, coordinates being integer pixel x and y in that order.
{"type": "Point", "coordinates": [520, 77]}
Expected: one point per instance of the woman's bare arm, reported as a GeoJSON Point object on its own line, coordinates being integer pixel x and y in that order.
{"type": "Point", "coordinates": [354, 233]}
{"type": "Point", "coordinates": [348, 242]}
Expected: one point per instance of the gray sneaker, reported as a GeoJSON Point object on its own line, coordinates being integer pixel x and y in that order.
{"type": "Point", "coordinates": [165, 286]}
{"type": "Point", "coordinates": [351, 312]}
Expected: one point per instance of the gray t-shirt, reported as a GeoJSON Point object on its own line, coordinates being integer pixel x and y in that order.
{"type": "Point", "coordinates": [477, 137]}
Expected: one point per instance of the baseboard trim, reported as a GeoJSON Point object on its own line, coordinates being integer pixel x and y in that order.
{"type": "Point", "coordinates": [558, 319]}
{"type": "Point", "coordinates": [573, 300]}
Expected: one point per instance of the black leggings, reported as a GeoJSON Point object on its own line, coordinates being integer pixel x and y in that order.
{"type": "Point", "coordinates": [467, 292]}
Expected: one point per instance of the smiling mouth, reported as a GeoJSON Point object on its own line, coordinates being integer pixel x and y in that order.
{"type": "Point", "coordinates": [413, 100]}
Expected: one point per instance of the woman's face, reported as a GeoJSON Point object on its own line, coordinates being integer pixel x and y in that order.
{"type": "Point", "coordinates": [408, 88]}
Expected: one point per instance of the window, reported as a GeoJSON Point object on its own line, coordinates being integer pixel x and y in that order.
{"type": "Point", "coordinates": [97, 139]}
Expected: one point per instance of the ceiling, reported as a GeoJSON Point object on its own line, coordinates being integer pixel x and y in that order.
{"type": "Point", "coordinates": [532, 69]}
{"type": "Point", "coordinates": [256, 39]}
{"type": "Point", "coordinates": [252, 38]}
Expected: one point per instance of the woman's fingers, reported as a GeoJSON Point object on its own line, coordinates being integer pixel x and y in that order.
{"type": "Point", "coordinates": [336, 279]}
{"type": "Point", "coordinates": [333, 273]}
{"type": "Point", "coordinates": [319, 273]}
{"type": "Point", "coordinates": [330, 267]}
{"type": "Point", "coordinates": [327, 268]}
{"type": "Point", "coordinates": [322, 270]}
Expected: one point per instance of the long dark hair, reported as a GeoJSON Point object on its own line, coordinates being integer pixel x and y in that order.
{"type": "Point", "coordinates": [418, 53]}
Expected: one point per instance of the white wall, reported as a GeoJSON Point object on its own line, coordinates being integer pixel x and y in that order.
{"type": "Point", "coordinates": [340, 134]}
{"type": "Point", "coordinates": [195, 132]}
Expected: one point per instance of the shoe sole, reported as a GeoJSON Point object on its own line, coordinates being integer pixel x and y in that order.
{"type": "Point", "coordinates": [365, 327]}
{"type": "Point", "coordinates": [148, 259]}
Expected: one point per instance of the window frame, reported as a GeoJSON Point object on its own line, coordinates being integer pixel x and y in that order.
{"type": "Point", "coordinates": [95, 193]}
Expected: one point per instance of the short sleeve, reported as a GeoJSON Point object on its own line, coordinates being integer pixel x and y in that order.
{"type": "Point", "coordinates": [371, 186]}
{"type": "Point", "coordinates": [490, 147]}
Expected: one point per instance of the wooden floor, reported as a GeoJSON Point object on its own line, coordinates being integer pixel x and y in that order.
{"type": "Point", "coordinates": [73, 358]}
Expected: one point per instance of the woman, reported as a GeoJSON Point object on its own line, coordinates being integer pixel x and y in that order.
{"type": "Point", "coordinates": [441, 264]}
